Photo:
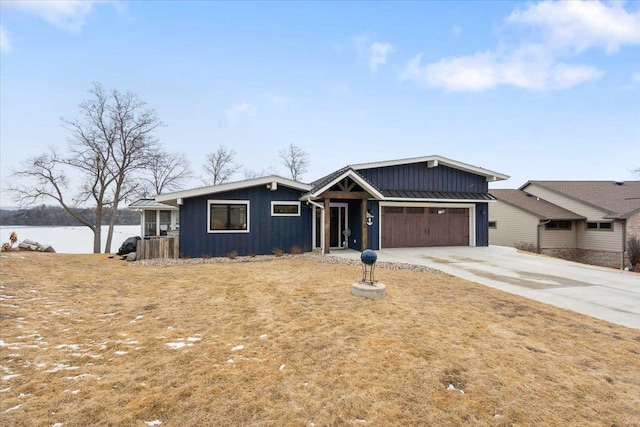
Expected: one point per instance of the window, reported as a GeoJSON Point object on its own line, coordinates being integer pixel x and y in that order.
{"type": "Point", "coordinates": [228, 216]}
{"type": "Point", "coordinates": [150, 225]}
{"type": "Point", "coordinates": [606, 226]}
{"type": "Point", "coordinates": [457, 211]}
{"type": "Point", "coordinates": [393, 210]}
{"type": "Point", "coordinates": [285, 208]}
{"type": "Point", "coordinates": [415, 210]}
{"type": "Point", "coordinates": [493, 224]}
{"type": "Point", "coordinates": [558, 225]}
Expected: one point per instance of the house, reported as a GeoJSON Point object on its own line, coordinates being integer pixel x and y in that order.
{"type": "Point", "coordinates": [417, 202]}
{"type": "Point", "coordinates": [593, 217]}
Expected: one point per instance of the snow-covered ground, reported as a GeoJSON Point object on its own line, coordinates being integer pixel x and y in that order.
{"type": "Point", "coordinates": [69, 240]}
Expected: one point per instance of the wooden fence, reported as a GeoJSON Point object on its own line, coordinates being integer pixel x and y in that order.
{"type": "Point", "coordinates": [163, 247]}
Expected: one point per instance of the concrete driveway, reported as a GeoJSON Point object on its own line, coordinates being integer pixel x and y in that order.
{"type": "Point", "coordinates": [603, 293]}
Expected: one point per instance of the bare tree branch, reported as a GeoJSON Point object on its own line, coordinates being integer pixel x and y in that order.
{"type": "Point", "coordinates": [295, 159]}
{"type": "Point", "coordinates": [219, 166]}
{"type": "Point", "coordinates": [164, 172]}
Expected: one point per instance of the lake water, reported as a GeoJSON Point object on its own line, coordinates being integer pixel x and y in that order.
{"type": "Point", "coordinates": [67, 239]}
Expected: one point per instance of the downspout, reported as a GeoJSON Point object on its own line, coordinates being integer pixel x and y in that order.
{"type": "Point", "coordinates": [544, 222]}
{"type": "Point", "coordinates": [318, 205]}
{"type": "Point", "coordinates": [624, 244]}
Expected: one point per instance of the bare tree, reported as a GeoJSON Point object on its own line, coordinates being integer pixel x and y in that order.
{"type": "Point", "coordinates": [252, 174]}
{"type": "Point", "coordinates": [164, 172]}
{"type": "Point", "coordinates": [109, 142]}
{"type": "Point", "coordinates": [219, 166]}
{"type": "Point", "coordinates": [295, 159]}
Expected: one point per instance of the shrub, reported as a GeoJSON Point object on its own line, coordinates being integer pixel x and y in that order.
{"type": "Point", "coordinates": [205, 256]}
{"type": "Point", "coordinates": [526, 246]}
{"type": "Point", "coordinates": [296, 250]}
{"type": "Point", "coordinates": [277, 252]}
{"type": "Point", "coordinates": [233, 254]}
{"type": "Point", "coordinates": [633, 249]}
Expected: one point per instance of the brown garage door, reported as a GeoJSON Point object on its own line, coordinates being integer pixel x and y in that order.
{"type": "Point", "coordinates": [412, 227]}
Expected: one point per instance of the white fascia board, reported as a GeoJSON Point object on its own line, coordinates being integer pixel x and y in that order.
{"type": "Point", "coordinates": [354, 176]}
{"type": "Point", "coordinates": [434, 161]}
{"type": "Point", "coordinates": [213, 189]}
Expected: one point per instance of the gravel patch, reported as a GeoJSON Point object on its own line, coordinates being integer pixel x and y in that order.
{"type": "Point", "coordinates": [315, 256]}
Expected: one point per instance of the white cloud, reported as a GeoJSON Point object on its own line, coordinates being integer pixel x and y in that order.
{"type": "Point", "coordinates": [378, 54]}
{"type": "Point", "coordinates": [487, 70]}
{"type": "Point", "coordinates": [555, 30]}
{"type": "Point", "coordinates": [5, 44]}
{"type": "Point", "coordinates": [68, 15]}
{"type": "Point", "coordinates": [235, 113]}
{"type": "Point", "coordinates": [375, 52]}
{"type": "Point", "coordinates": [580, 25]}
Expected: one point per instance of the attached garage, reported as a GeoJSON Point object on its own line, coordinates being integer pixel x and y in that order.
{"type": "Point", "coordinates": [411, 226]}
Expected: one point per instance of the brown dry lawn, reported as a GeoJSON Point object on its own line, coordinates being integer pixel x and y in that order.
{"type": "Point", "coordinates": [88, 340]}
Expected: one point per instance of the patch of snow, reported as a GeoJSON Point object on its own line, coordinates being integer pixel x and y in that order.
{"type": "Point", "coordinates": [57, 425]}
{"type": "Point", "coordinates": [263, 337]}
{"type": "Point", "coordinates": [136, 319]}
{"type": "Point", "coordinates": [69, 346]}
{"type": "Point", "coordinates": [8, 377]}
{"type": "Point", "coordinates": [361, 421]}
{"type": "Point", "coordinates": [175, 345]}
{"type": "Point", "coordinates": [170, 328]}
{"type": "Point", "coordinates": [121, 353]}
{"type": "Point", "coordinates": [153, 423]}
{"type": "Point", "coordinates": [71, 368]}
{"type": "Point", "coordinates": [229, 360]}
{"type": "Point", "coordinates": [238, 348]}
{"type": "Point", "coordinates": [194, 339]}
{"type": "Point", "coordinates": [12, 409]}
{"type": "Point", "coordinates": [281, 367]}
{"type": "Point", "coordinates": [4, 390]}
{"type": "Point", "coordinates": [452, 387]}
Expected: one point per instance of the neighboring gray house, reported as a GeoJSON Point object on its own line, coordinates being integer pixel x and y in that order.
{"type": "Point", "coordinates": [594, 217]}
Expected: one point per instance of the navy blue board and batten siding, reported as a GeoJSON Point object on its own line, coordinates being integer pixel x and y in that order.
{"type": "Point", "coordinates": [419, 177]}
{"type": "Point", "coordinates": [266, 232]}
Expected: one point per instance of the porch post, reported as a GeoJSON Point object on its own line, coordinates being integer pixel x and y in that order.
{"type": "Point", "coordinates": [327, 224]}
{"type": "Point", "coordinates": [363, 222]}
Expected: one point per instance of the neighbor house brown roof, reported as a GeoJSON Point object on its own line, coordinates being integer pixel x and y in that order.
{"type": "Point", "coordinates": [621, 199]}
{"type": "Point", "coordinates": [534, 205]}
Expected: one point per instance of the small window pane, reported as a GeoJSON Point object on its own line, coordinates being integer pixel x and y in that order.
{"type": "Point", "coordinates": [457, 211]}
{"type": "Point", "coordinates": [393, 210]}
{"type": "Point", "coordinates": [415, 210]}
{"type": "Point", "coordinates": [592, 225]}
{"type": "Point", "coordinates": [493, 224]}
{"type": "Point", "coordinates": [282, 209]}
{"type": "Point", "coordinates": [606, 225]}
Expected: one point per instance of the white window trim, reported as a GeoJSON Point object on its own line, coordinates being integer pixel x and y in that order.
{"type": "Point", "coordinates": [228, 202]}
{"type": "Point", "coordinates": [287, 203]}
{"type": "Point", "coordinates": [598, 225]}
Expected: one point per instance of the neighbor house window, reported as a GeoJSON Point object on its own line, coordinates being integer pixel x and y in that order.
{"type": "Point", "coordinates": [493, 224]}
{"type": "Point", "coordinates": [607, 226]}
{"type": "Point", "coordinates": [415, 210]}
{"type": "Point", "coordinates": [285, 208]}
{"type": "Point", "coordinates": [558, 225]}
{"type": "Point", "coordinates": [228, 216]}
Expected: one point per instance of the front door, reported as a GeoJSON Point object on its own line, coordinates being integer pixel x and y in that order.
{"type": "Point", "coordinates": [338, 218]}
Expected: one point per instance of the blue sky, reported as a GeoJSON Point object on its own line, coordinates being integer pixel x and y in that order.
{"type": "Point", "coordinates": [534, 90]}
